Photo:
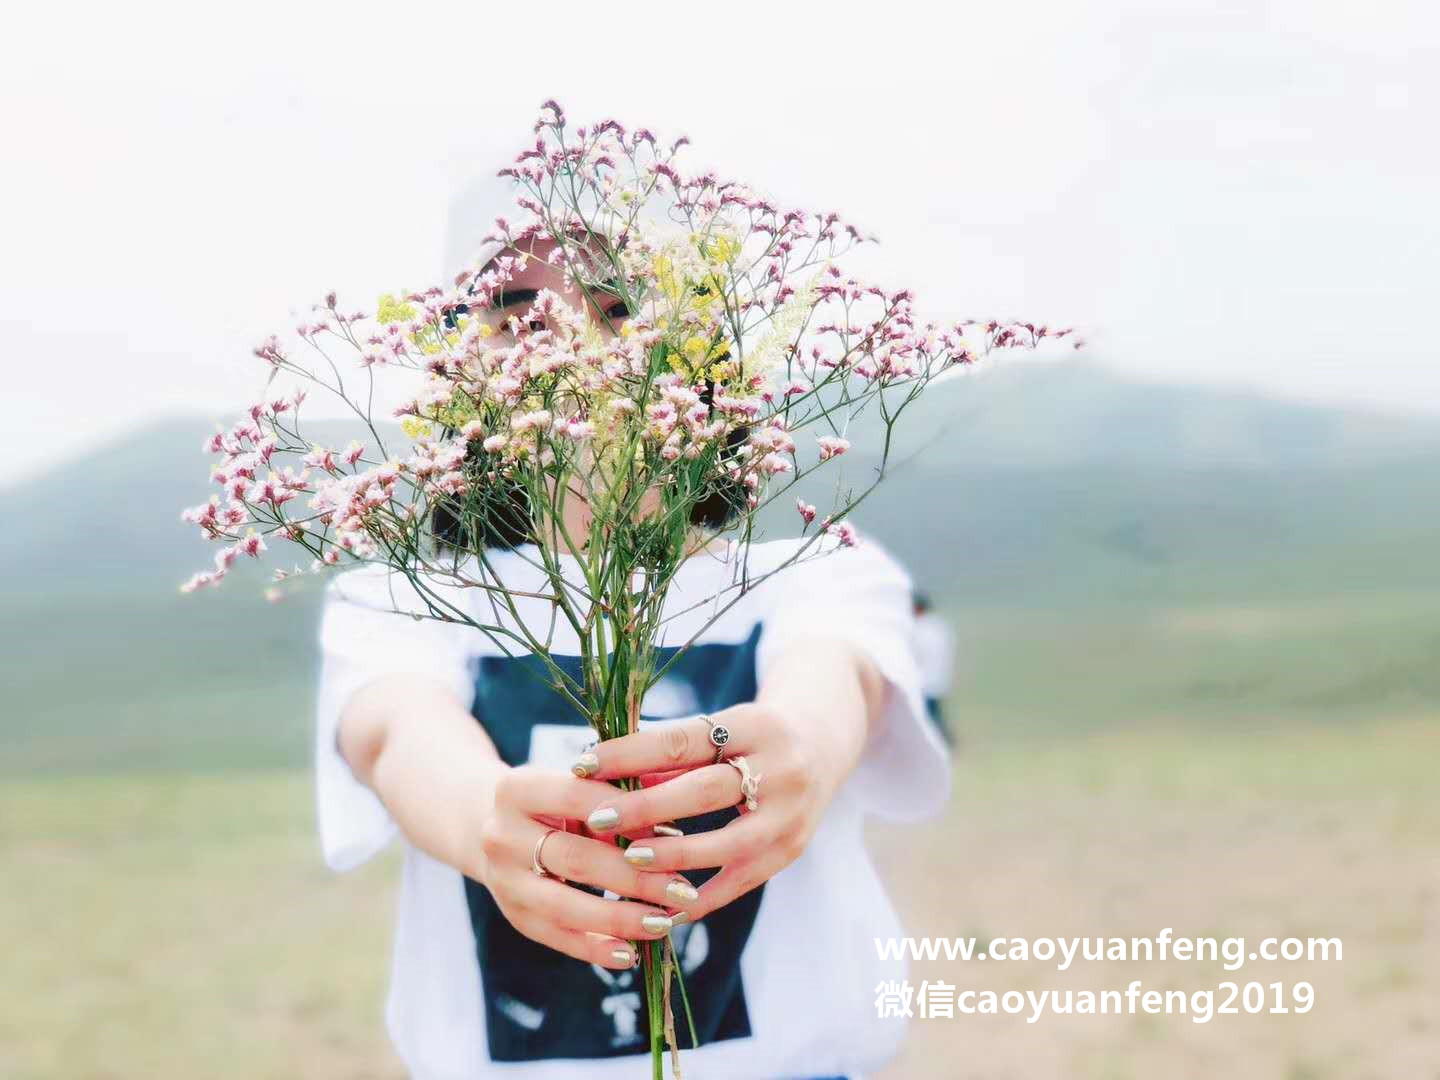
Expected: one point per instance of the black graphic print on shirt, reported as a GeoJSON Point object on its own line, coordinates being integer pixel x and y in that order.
{"type": "Point", "coordinates": [542, 1004]}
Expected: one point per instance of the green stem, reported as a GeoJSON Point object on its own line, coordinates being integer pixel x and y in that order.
{"type": "Point", "coordinates": [655, 994]}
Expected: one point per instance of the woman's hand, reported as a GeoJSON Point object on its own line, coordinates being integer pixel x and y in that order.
{"type": "Point", "coordinates": [528, 803]}
{"type": "Point", "coordinates": [801, 739]}
{"type": "Point", "coordinates": [439, 775]}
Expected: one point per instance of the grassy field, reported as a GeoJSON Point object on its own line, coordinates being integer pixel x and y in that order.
{"type": "Point", "coordinates": [1196, 689]}
{"type": "Point", "coordinates": [178, 926]}
{"type": "Point", "coordinates": [1324, 832]}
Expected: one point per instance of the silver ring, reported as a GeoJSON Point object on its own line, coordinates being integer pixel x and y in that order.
{"type": "Point", "coordinates": [719, 736]}
{"type": "Point", "coordinates": [749, 783]}
{"type": "Point", "coordinates": [536, 866]}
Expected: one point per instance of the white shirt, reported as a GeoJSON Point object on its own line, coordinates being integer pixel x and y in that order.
{"type": "Point", "coordinates": [935, 653]}
{"type": "Point", "coordinates": [784, 979]}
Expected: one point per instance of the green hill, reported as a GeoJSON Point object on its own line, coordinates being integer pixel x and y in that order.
{"type": "Point", "coordinates": [1111, 552]}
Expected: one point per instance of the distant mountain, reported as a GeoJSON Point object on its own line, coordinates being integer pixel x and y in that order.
{"type": "Point", "coordinates": [111, 520]}
{"type": "Point", "coordinates": [1047, 492]}
{"type": "Point", "coordinates": [1032, 413]}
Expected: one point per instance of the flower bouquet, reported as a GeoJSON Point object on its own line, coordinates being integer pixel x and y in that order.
{"type": "Point", "coordinates": [705, 354]}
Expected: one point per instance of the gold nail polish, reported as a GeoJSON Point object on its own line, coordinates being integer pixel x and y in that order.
{"type": "Point", "coordinates": [657, 924]}
{"type": "Point", "coordinates": [682, 892]}
{"type": "Point", "coordinates": [586, 766]}
{"type": "Point", "coordinates": [605, 818]}
{"type": "Point", "coordinates": [636, 855]}
{"type": "Point", "coordinates": [624, 956]}
{"type": "Point", "coordinates": [679, 917]}
{"type": "Point", "coordinates": [667, 830]}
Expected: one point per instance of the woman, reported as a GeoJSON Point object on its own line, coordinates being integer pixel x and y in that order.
{"type": "Point", "coordinates": [515, 951]}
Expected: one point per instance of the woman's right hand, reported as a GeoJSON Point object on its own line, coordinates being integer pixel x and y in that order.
{"type": "Point", "coordinates": [528, 802]}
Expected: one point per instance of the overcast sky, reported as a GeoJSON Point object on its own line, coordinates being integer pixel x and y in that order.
{"type": "Point", "coordinates": [1242, 193]}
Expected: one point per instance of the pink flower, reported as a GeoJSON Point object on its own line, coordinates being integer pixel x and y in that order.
{"type": "Point", "coordinates": [576, 430]}
{"type": "Point", "coordinates": [321, 457]}
{"type": "Point", "coordinates": [354, 452]}
{"type": "Point", "coordinates": [807, 511]}
{"type": "Point", "coordinates": [539, 420]}
{"type": "Point", "coordinates": [203, 515]}
{"type": "Point", "coordinates": [682, 397]}
{"type": "Point", "coordinates": [269, 351]}
{"type": "Point", "coordinates": [274, 491]}
{"type": "Point", "coordinates": [252, 545]}
{"type": "Point", "coordinates": [199, 581]}
{"type": "Point", "coordinates": [494, 444]}
{"type": "Point", "coordinates": [844, 531]}
{"type": "Point", "coordinates": [452, 483]}
{"type": "Point", "coordinates": [831, 447]}
{"type": "Point", "coordinates": [773, 438]}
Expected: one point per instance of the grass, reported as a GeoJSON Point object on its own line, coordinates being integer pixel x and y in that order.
{"type": "Point", "coordinates": [1231, 664]}
{"type": "Point", "coordinates": [180, 925]}
{"type": "Point", "coordinates": [1206, 702]}
{"type": "Point", "coordinates": [1299, 831]}
{"type": "Point", "coordinates": [183, 926]}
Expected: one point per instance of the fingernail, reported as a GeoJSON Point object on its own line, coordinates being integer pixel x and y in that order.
{"type": "Point", "coordinates": [586, 766]}
{"type": "Point", "coordinates": [657, 924]}
{"type": "Point", "coordinates": [605, 818]}
{"type": "Point", "coordinates": [668, 830]}
{"type": "Point", "coordinates": [679, 917]}
{"type": "Point", "coordinates": [636, 855]}
{"type": "Point", "coordinates": [682, 892]}
{"type": "Point", "coordinates": [624, 956]}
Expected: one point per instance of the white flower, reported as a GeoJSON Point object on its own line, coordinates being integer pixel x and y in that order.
{"type": "Point", "coordinates": [767, 359]}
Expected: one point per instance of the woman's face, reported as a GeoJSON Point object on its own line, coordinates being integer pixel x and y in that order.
{"type": "Point", "coordinates": [605, 310]}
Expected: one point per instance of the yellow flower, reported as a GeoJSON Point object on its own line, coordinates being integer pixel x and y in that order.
{"type": "Point", "coordinates": [415, 428]}
{"type": "Point", "coordinates": [723, 249]}
{"type": "Point", "coordinates": [485, 330]}
{"type": "Point", "coordinates": [666, 279]}
{"type": "Point", "coordinates": [392, 310]}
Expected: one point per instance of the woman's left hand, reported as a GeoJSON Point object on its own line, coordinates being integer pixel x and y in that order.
{"type": "Point", "coordinates": [801, 740]}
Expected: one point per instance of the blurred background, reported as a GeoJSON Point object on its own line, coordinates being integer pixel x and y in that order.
{"type": "Point", "coordinates": [1190, 571]}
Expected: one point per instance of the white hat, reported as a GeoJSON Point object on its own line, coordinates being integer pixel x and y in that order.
{"type": "Point", "coordinates": [472, 213]}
